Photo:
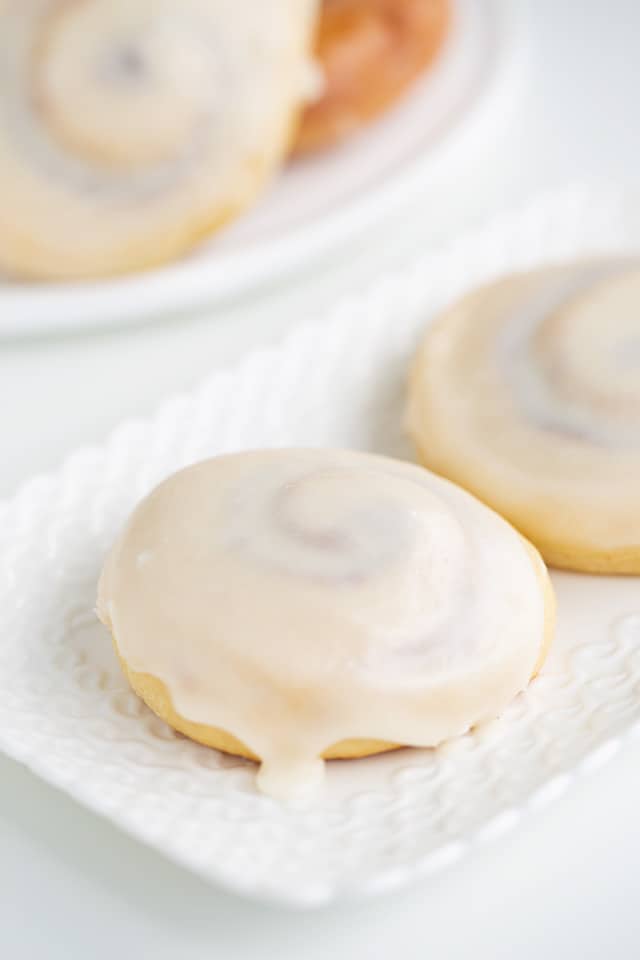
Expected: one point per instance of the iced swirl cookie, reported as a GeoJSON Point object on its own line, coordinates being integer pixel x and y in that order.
{"type": "Point", "coordinates": [369, 53]}
{"type": "Point", "coordinates": [527, 393]}
{"type": "Point", "coordinates": [130, 129]}
{"type": "Point", "coordinates": [290, 605]}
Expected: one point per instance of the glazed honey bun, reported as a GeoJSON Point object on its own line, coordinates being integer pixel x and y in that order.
{"type": "Point", "coordinates": [369, 53]}
{"type": "Point", "coordinates": [129, 129]}
{"type": "Point", "coordinates": [293, 604]}
{"type": "Point", "coordinates": [527, 393]}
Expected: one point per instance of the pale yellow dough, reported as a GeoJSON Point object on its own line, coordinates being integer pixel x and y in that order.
{"type": "Point", "coordinates": [527, 393]}
{"type": "Point", "coordinates": [156, 696]}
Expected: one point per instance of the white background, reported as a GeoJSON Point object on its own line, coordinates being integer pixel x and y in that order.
{"type": "Point", "coordinates": [563, 886]}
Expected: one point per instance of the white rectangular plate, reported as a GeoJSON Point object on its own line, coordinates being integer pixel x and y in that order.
{"type": "Point", "coordinates": [66, 711]}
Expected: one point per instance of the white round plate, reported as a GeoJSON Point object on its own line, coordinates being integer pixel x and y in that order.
{"type": "Point", "coordinates": [315, 204]}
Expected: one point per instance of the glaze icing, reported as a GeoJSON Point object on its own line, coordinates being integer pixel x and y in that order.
{"type": "Point", "coordinates": [569, 369]}
{"type": "Point", "coordinates": [297, 598]}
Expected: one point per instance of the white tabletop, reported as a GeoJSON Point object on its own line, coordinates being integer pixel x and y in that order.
{"type": "Point", "coordinates": [565, 885]}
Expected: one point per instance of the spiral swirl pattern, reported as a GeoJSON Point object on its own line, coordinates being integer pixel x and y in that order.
{"type": "Point", "coordinates": [318, 526]}
{"type": "Point", "coordinates": [130, 128]}
{"type": "Point", "coordinates": [300, 599]}
{"type": "Point", "coordinates": [528, 393]}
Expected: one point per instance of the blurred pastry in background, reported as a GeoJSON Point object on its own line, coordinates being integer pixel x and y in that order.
{"type": "Point", "coordinates": [370, 52]}
{"type": "Point", "coordinates": [130, 129]}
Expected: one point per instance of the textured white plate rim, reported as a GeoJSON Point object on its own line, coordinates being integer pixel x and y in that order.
{"type": "Point", "coordinates": [501, 824]}
{"type": "Point", "coordinates": [192, 284]}
{"type": "Point", "coordinates": [447, 854]}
